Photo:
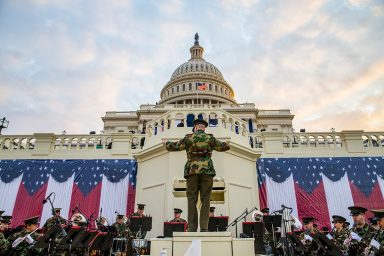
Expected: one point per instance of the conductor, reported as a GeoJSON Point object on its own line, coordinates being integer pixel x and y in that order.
{"type": "Point", "coordinates": [198, 170]}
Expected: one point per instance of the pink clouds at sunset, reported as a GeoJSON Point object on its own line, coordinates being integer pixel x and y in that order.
{"type": "Point", "coordinates": [63, 64]}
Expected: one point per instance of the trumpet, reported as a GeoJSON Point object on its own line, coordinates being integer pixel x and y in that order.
{"type": "Point", "coordinates": [26, 238]}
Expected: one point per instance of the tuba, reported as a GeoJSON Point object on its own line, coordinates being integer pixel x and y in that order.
{"type": "Point", "coordinates": [78, 220]}
{"type": "Point", "coordinates": [257, 216]}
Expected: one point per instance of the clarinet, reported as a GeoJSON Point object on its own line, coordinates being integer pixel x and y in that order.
{"type": "Point", "coordinates": [369, 248]}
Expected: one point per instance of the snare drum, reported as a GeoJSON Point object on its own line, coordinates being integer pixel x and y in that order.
{"type": "Point", "coordinates": [139, 243]}
{"type": "Point", "coordinates": [119, 245]}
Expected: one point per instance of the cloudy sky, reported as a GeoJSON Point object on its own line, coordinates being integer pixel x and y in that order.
{"type": "Point", "coordinates": [64, 63]}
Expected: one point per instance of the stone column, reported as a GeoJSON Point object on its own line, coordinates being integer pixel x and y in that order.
{"type": "Point", "coordinates": [273, 142]}
{"type": "Point", "coordinates": [44, 144]}
{"type": "Point", "coordinates": [352, 139]}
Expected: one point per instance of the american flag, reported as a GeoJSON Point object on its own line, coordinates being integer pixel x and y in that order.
{"type": "Point", "coordinates": [321, 187]}
{"type": "Point", "coordinates": [91, 185]}
{"type": "Point", "coordinates": [201, 86]}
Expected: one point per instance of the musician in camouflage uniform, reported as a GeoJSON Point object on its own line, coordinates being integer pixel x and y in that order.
{"type": "Point", "coordinates": [51, 222]}
{"type": "Point", "coordinates": [198, 170]}
{"type": "Point", "coordinates": [339, 232]}
{"type": "Point", "coordinates": [360, 228]}
{"type": "Point", "coordinates": [377, 242]}
{"type": "Point", "coordinates": [311, 244]}
{"type": "Point", "coordinates": [139, 213]}
{"type": "Point", "coordinates": [4, 244]}
{"type": "Point", "coordinates": [54, 220]}
{"type": "Point", "coordinates": [122, 229]}
{"type": "Point", "coordinates": [23, 248]}
{"type": "Point", "coordinates": [177, 217]}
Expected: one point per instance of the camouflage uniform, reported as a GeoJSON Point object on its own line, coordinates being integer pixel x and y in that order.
{"type": "Point", "coordinates": [23, 248]}
{"type": "Point", "coordinates": [58, 237]}
{"type": "Point", "coordinates": [311, 247]}
{"type": "Point", "coordinates": [339, 237]}
{"type": "Point", "coordinates": [52, 222]}
{"type": "Point", "coordinates": [178, 220]}
{"type": "Point", "coordinates": [380, 239]}
{"type": "Point", "coordinates": [122, 229]}
{"type": "Point", "coordinates": [366, 233]}
{"type": "Point", "coordinates": [199, 172]}
{"type": "Point", "coordinates": [4, 244]}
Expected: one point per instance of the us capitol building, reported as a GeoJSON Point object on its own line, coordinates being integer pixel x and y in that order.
{"type": "Point", "coordinates": [196, 89]}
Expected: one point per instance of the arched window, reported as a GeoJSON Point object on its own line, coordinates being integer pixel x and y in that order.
{"type": "Point", "coordinates": [237, 127]}
{"type": "Point", "coordinates": [190, 119]}
{"type": "Point", "coordinates": [156, 124]}
{"type": "Point", "coordinates": [213, 120]}
{"type": "Point", "coordinates": [250, 125]}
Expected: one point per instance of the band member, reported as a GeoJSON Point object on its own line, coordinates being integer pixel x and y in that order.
{"type": "Point", "coordinates": [212, 211]}
{"type": "Point", "coordinates": [140, 211]}
{"type": "Point", "coordinates": [177, 217]}
{"type": "Point", "coordinates": [121, 226]}
{"type": "Point", "coordinates": [21, 241]}
{"type": "Point", "coordinates": [4, 243]}
{"type": "Point", "coordinates": [265, 211]}
{"type": "Point", "coordinates": [377, 243]}
{"type": "Point", "coordinates": [361, 232]}
{"type": "Point", "coordinates": [311, 245]}
{"type": "Point", "coordinates": [339, 232]}
{"type": "Point", "coordinates": [373, 222]}
{"type": "Point", "coordinates": [198, 170]}
{"type": "Point", "coordinates": [54, 220]}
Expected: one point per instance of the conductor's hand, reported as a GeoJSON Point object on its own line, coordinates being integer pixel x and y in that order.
{"type": "Point", "coordinates": [164, 141]}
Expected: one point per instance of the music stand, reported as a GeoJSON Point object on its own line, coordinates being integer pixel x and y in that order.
{"type": "Point", "coordinates": [253, 229]}
{"type": "Point", "coordinates": [331, 248]}
{"type": "Point", "coordinates": [83, 238]}
{"type": "Point", "coordinates": [45, 240]}
{"type": "Point", "coordinates": [66, 242]}
{"type": "Point", "coordinates": [272, 221]}
{"type": "Point", "coordinates": [170, 227]}
{"type": "Point", "coordinates": [218, 223]}
{"type": "Point", "coordinates": [141, 224]}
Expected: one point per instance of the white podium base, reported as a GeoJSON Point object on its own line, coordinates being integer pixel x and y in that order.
{"type": "Point", "coordinates": [212, 244]}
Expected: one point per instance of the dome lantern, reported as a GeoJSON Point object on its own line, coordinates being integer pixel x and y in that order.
{"type": "Point", "coordinates": [196, 50]}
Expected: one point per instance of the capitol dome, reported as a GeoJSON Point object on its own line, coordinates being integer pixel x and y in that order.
{"type": "Point", "coordinates": [197, 82]}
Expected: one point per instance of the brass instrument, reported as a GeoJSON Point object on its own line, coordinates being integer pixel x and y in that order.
{"type": "Point", "coordinates": [78, 219]}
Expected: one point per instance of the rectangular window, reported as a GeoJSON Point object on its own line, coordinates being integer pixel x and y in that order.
{"type": "Point", "coordinates": [210, 87]}
{"type": "Point", "coordinates": [173, 90]}
{"type": "Point", "coordinates": [177, 89]}
{"type": "Point", "coordinates": [183, 87]}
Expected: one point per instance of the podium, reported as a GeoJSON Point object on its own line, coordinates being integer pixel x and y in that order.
{"type": "Point", "coordinates": [212, 244]}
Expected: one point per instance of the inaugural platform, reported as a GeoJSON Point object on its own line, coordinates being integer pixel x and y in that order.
{"type": "Point", "coordinates": [275, 189]}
